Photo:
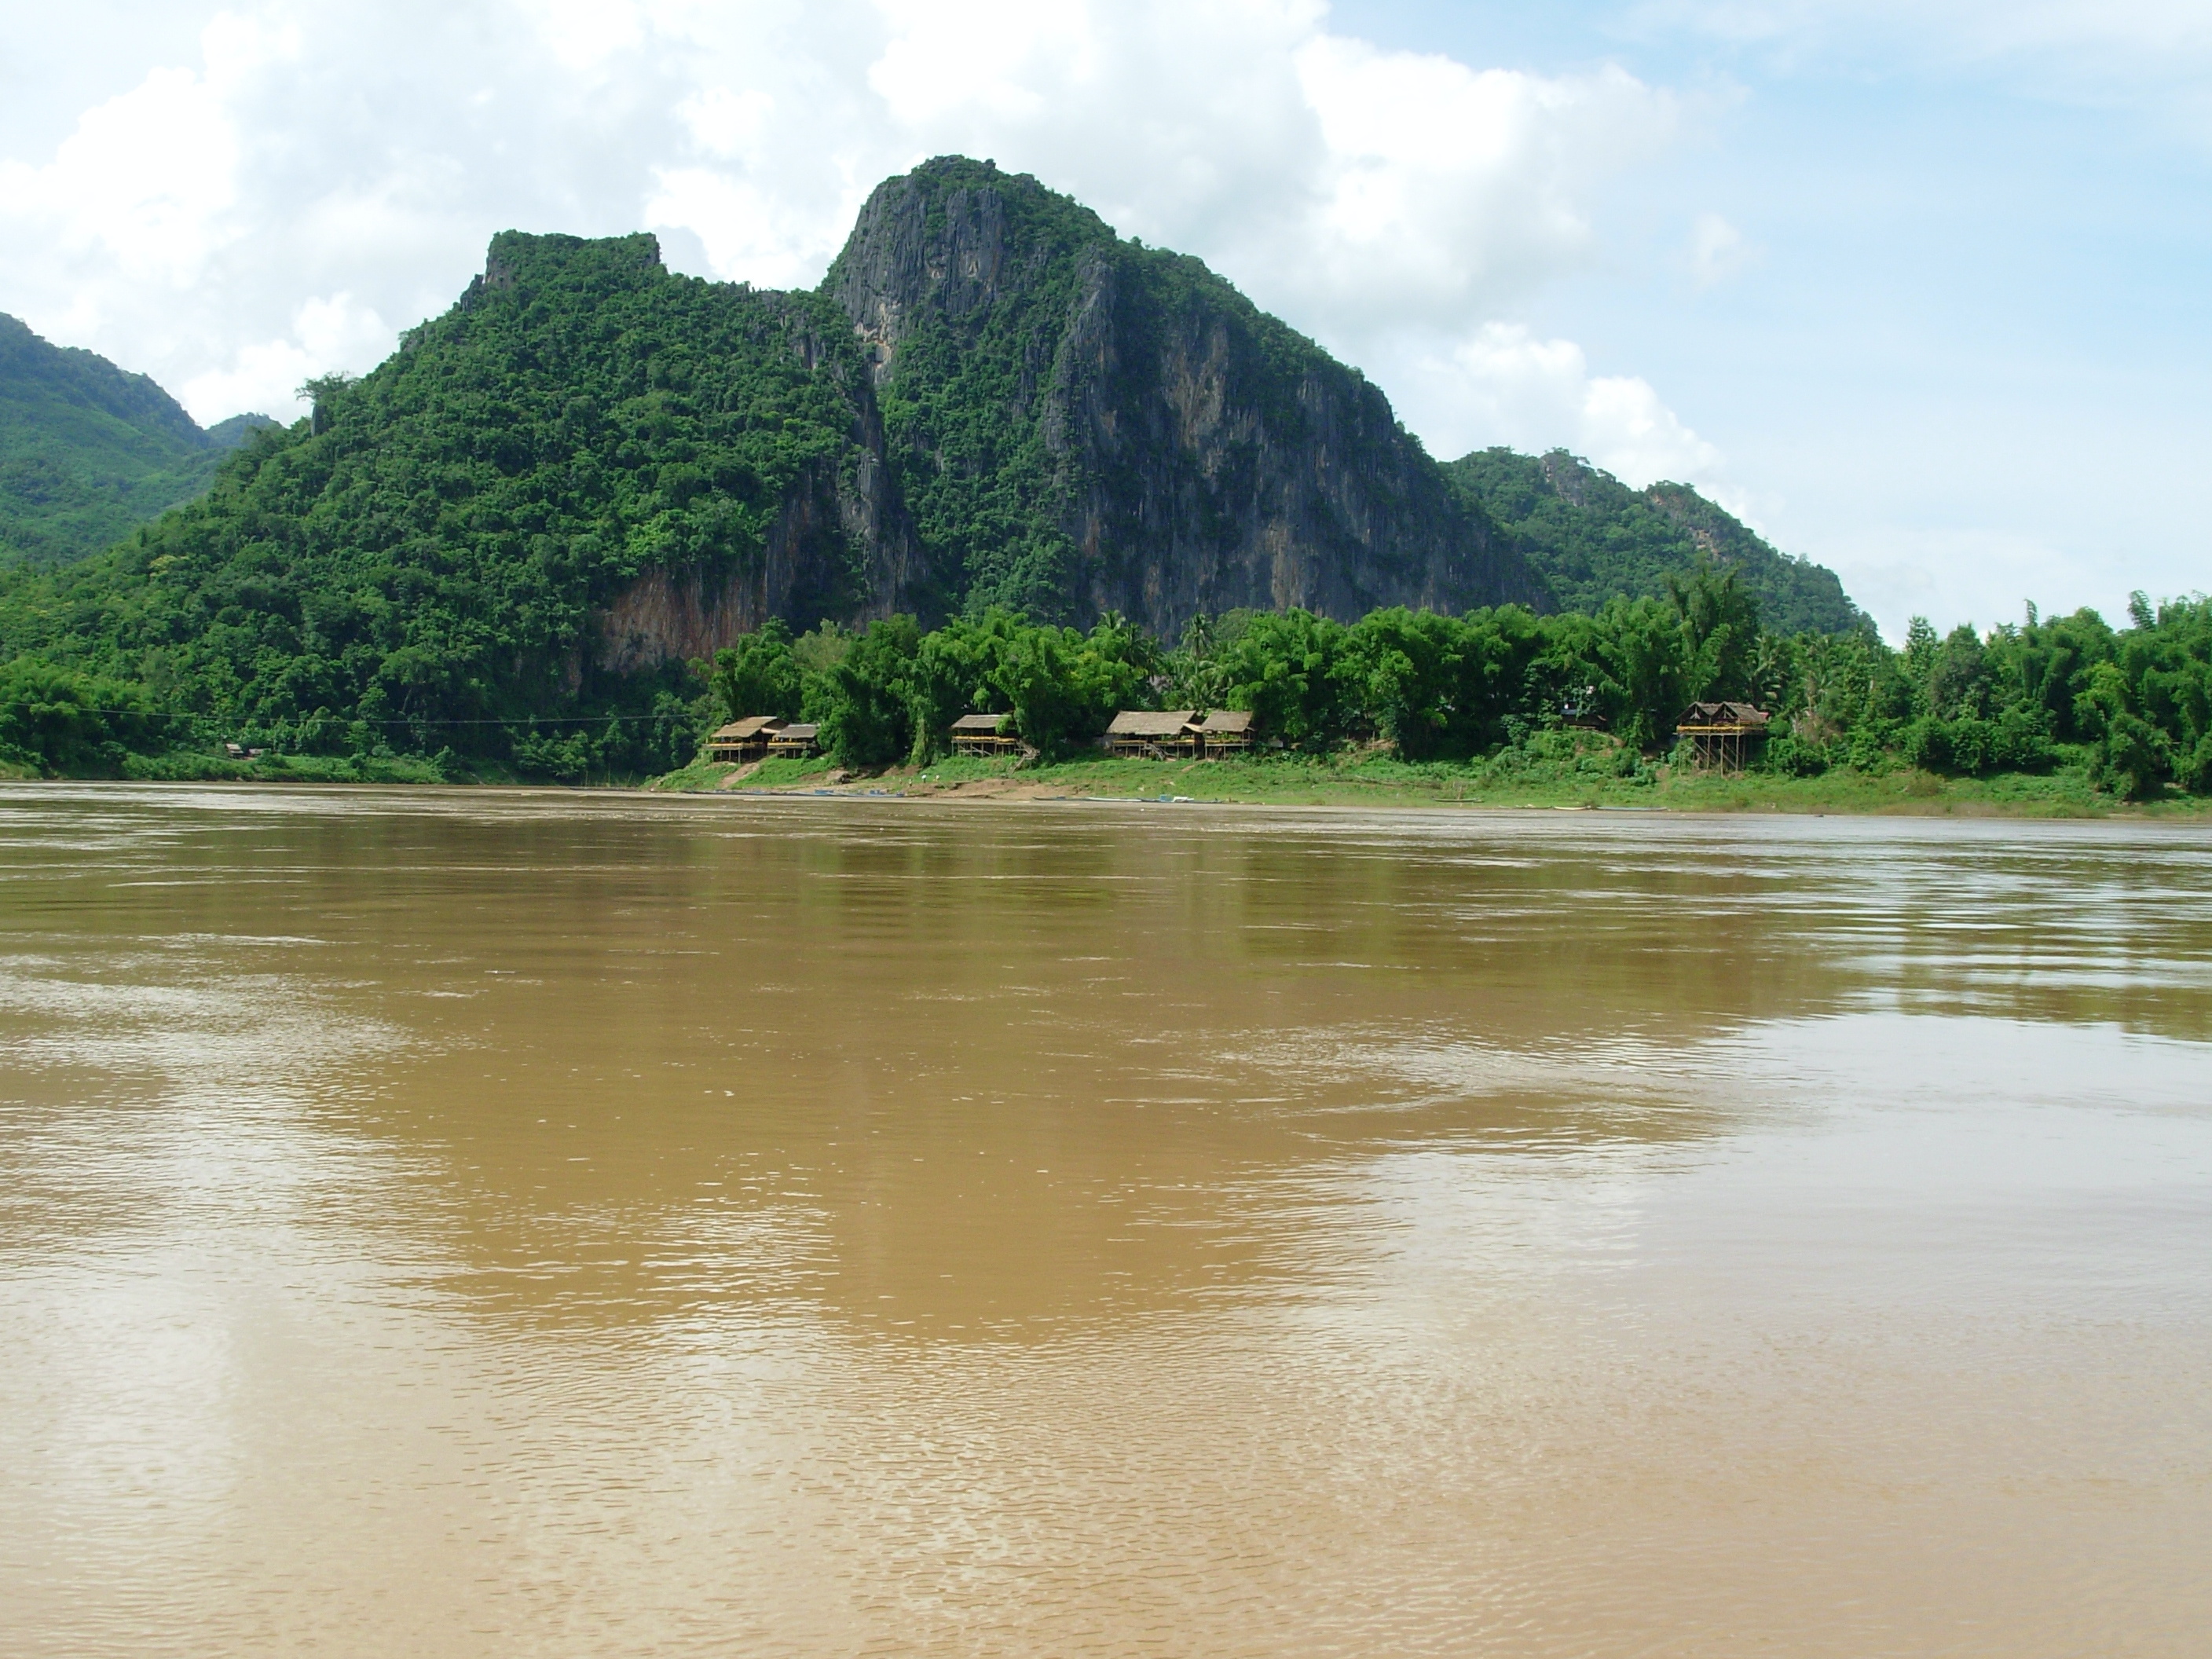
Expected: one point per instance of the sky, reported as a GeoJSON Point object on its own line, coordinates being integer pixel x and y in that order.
{"type": "Point", "coordinates": [1919, 289]}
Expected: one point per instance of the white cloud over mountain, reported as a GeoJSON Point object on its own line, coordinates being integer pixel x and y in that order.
{"type": "Point", "coordinates": [314, 179]}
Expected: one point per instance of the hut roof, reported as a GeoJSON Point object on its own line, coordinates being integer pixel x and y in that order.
{"type": "Point", "coordinates": [752, 725]}
{"type": "Point", "coordinates": [1150, 723]}
{"type": "Point", "coordinates": [983, 723]}
{"type": "Point", "coordinates": [1227, 721]}
{"type": "Point", "coordinates": [798, 733]}
{"type": "Point", "coordinates": [1723, 714]}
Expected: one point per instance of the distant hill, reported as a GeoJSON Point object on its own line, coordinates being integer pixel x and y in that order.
{"type": "Point", "coordinates": [1592, 538]}
{"type": "Point", "coordinates": [87, 452]}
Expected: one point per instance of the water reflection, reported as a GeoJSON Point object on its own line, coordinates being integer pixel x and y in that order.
{"type": "Point", "coordinates": [657, 1225]}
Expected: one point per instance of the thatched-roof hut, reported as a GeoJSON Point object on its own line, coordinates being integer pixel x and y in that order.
{"type": "Point", "coordinates": [1224, 731]}
{"type": "Point", "coordinates": [1157, 733]}
{"type": "Point", "coordinates": [796, 742]}
{"type": "Point", "coordinates": [742, 740]}
{"type": "Point", "coordinates": [985, 735]}
{"type": "Point", "coordinates": [1179, 733]}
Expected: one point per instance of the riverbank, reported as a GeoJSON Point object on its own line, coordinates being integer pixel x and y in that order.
{"type": "Point", "coordinates": [1368, 780]}
{"type": "Point", "coordinates": [1377, 781]}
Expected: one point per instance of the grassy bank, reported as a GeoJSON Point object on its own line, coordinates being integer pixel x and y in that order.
{"type": "Point", "coordinates": [1596, 780]}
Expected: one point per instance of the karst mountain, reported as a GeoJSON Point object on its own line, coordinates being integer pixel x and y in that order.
{"type": "Point", "coordinates": [590, 471]}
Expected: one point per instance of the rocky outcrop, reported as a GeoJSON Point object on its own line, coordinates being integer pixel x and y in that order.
{"type": "Point", "coordinates": [842, 547]}
{"type": "Point", "coordinates": [1183, 451]}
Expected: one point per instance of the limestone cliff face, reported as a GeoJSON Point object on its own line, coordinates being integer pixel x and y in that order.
{"type": "Point", "coordinates": [1155, 444]}
{"type": "Point", "coordinates": [842, 547]}
{"type": "Point", "coordinates": [665, 615]}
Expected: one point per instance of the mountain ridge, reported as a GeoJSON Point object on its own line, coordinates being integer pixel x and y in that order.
{"type": "Point", "coordinates": [1595, 538]}
{"type": "Point", "coordinates": [88, 450]}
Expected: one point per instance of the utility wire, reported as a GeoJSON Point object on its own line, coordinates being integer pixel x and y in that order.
{"type": "Point", "coordinates": [488, 720]}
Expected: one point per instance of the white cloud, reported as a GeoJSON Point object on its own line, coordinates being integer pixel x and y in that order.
{"type": "Point", "coordinates": [185, 227]}
{"type": "Point", "coordinates": [2146, 56]}
{"type": "Point", "coordinates": [2138, 28]}
{"type": "Point", "coordinates": [143, 184]}
{"type": "Point", "coordinates": [740, 228]}
{"type": "Point", "coordinates": [265, 374]}
{"type": "Point", "coordinates": [1441, 190]}
{"type": "Point", "coordinates": [585, 33]}
{"type": "Point", "coordinates": [1503, 385]}
{"type": "Point", "coordinates": [726, 122]}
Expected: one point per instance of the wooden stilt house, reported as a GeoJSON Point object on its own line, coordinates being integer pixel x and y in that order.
{"type": "Point", "coordinates": [744, 740]}
{"type": "Point", "coordinates": [796, 742]}
{"type": "Point", "coordinates": [1224, 733]}
{"type": "Point", "coordinates": [1158, 734]}
{"type": "Point", "coordinates": [1724, 736]}
{"type": "Point", "coordinates": [985, 736]}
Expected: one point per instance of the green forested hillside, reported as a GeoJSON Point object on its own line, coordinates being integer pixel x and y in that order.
{"type": "Point", "coordinates": [89, 452]}
{"type": "Point", "coordinates": [416, 567]}
{"type": "Point", "coordinates": [1594, 538]}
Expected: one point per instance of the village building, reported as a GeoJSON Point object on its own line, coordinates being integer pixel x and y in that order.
{"type": "Point", "coordinates": [1158, 734]}
{"type": "Point", "coordinates": [985, 736]}
{"type": "Point", "coordinates": [1224, 733]}
{"type": "Point", "coordinates": [1178, 733]}
{"type": "Point", "coordinates": [1722, 735]}
{"type": "Point", "coordinates": [796, 742]}
{"type": "Point", "coordinates": [742, 740]}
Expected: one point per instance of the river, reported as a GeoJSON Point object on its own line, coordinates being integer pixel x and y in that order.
{"type": "Point", "coordinates": [484, 1222]}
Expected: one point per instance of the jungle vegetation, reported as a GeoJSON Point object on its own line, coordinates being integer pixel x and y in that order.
{"type": "Point", "coordinates": [410, 580]}
{"type": "Point", "coordinates": [2132, 705]}
{"type": "Point", "coordinates": [413, 569]}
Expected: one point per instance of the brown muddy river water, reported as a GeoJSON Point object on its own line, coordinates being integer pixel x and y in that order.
{"type": "Point", "coordinates": [453, 1223]}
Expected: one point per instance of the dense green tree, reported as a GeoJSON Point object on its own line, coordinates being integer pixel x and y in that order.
{"type": "Point", "coordinates": [1291, 669]}
{"type": "Point", "coordinates": [89, 452]}
{"type": "Point", "coordinates": [55, 719]}
{"type": "Point", "coordinates": [1719, 618]}
{"type": "Point", "coordinates": [1063, 686]}
{"type": "Point", "coordinates": [759, 675]}
{"type": "Point", "coordinates": [864, 701]}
